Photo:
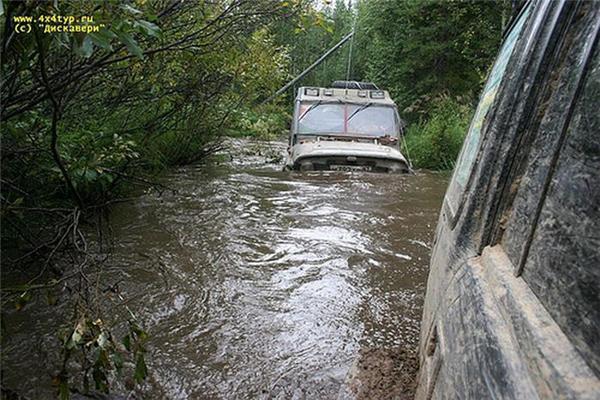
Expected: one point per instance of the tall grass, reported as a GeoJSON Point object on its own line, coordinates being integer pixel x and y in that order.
{"type": "Point", "coordinates": [435, 143]}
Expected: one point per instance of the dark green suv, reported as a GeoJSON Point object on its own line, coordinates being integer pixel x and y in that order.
{"type": "Point", "coordinates": [512, 309]}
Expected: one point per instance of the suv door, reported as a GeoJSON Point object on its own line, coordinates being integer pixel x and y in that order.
{"type": "Point", "coordinates": [512, 304]}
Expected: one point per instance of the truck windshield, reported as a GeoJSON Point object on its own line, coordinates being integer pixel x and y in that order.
{"type": "Point", "coordinates": [356, 119]}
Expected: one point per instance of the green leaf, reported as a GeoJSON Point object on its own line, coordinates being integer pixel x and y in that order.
{"type": "Point", "coordinates": [131, 44]}
{"type": "Point", "coordinates": [87, 48]}
{"type": "Point", "coordinates": [117, 359]}
{"type": "Point", "coordinates": [127, 342]}
{"type": "Point", "coordinates": [139, 333]}
{"type": "Point", "coordinates": [132, 10]}
{"type": "Point", "coordinates": [90, 175]}
{"type": "Point", "coordinates": [63, 390]}
{"type": "Point", "coordinates": [75, 339]}
{"type": "Point", "coordinates": [140, 369]}
{"type": "Point", "coordinates": [148, 28]}
{"type": "Point", "coordinates": [102, 38]}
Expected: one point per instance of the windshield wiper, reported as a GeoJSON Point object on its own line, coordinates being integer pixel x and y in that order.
{"type": "Point", "coordinates": [359, 110]}
{"type": "Point", "coordinates": [313, 106]}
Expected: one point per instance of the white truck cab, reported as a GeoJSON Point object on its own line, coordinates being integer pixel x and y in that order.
{"type": "Point", "coordinates": [350, 126]}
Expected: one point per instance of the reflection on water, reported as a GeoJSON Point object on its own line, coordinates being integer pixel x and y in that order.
{"type": "Point", "coordinates": [256, 283]}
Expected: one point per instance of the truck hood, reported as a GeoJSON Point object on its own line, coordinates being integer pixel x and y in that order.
{"type": "Point", "coordinates": [328, 148]}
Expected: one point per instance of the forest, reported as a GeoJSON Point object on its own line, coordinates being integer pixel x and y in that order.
{"type": "Point", "coordinates": [90, 117]}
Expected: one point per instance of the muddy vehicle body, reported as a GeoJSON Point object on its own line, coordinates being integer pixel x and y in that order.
{"type": "Point", "coordinates": [512, 309]}
{"type": "Point", "coordinates": [347, 127]}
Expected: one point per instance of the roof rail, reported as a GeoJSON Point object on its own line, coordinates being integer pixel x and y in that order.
{"type": "Point", "coordinates": [354, 85]}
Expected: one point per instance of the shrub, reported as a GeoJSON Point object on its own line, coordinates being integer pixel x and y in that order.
{"type": "Point", "coordinates": [265, 122]}
{"type": "Point", "coordinates": [435, 143]}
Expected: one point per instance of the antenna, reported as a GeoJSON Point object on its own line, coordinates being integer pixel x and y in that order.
{"type": "Point", "coordinates": [310, 68]}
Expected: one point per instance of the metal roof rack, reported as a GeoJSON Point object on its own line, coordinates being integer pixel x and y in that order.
{"type": "Point", "coordinates": [354, 85]}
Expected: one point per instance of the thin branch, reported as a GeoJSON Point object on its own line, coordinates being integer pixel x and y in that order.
{"type": "Point", "coordinates": [55, 117]}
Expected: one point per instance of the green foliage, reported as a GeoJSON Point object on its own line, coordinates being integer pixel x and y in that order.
{"type": "Point", "coordinates": [259, 68]}
{"type": "Point", "coordinates": [436, 142]}
{"type": "Point", "coordinates": [266, 122]}
{"type": "Point", "coordinates": [422, 49]}
{"type": "Point", "coordinates": [157, 91]}
{"type": "Point", "coordinates": [86, 115]}
{"type": "Point", "coordinates": [309, 34]}
{"type": "Point", "coordinates": [100, 356]}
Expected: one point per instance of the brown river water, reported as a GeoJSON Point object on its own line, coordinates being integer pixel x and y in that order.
{"type": "Point", "coordinates": [258, 283]}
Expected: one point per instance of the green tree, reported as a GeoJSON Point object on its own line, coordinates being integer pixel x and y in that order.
{"type": "Point", "coordinates": [422, 49]}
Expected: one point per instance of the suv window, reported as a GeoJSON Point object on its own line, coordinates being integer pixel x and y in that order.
{"type": "Point", "coordinates": [466, 159]}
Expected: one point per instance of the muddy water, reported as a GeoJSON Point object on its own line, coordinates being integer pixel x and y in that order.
{"type": "Point", "coordinates": [257, 283]}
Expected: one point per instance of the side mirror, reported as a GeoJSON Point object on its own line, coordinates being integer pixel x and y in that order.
{"type": "Point", "coordinates": [402, 126]}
